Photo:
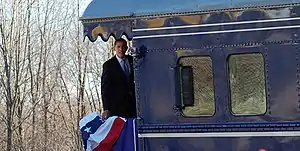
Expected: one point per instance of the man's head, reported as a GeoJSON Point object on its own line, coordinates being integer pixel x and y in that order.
{"type": "Point", "coordinates": [120, 47]}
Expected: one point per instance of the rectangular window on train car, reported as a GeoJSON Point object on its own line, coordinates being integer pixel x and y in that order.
{"type": "Point", "coordinates": [202, 83]}
{"type": "Point", "coordinates": [247, 84]}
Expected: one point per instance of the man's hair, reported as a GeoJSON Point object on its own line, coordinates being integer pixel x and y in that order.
{"type": "Point", "coordinates": [120, 40]}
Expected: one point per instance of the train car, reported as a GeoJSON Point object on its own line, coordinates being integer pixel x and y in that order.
{"type": "Point", "coordinates": [220, 75]}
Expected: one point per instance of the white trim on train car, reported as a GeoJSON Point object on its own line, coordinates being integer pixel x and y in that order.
{"type": "Point", "coordinates": [222, 134]}
{"type": "Point", "coordinates": [217, 24]}
{"type": "Point", "coordinates": [217, 32]}
{"type": "Point", "coordinates": [134, 134]}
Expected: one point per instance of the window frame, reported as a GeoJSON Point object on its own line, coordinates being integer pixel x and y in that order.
{"type": "Point", "coordinates": [179, 87]}
{"type": "Point", "coordinates": [229, 85]}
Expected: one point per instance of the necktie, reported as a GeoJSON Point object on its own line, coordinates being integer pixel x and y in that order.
{"type": "Point", "coordinates": [125, 67]}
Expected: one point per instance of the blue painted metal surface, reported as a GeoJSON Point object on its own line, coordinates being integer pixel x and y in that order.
{"type": "Point", "coordinates": [224, 144]}
{"type": "Point", "coordinates": [142, 7]}
{"type": "Point", "coordinates": [102, 9]}
{"type": "Point", "coordinates": [157, 95]}
{"type": "Point", "coordinates": [157, 99]}
{"type": "Point", "coordinates": [106, 29]}
{"type": "Point", "coordinates": [116, 27]}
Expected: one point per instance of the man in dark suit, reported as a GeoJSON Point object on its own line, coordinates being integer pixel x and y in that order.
{"type": "Point", "coordinates": [117, 86]}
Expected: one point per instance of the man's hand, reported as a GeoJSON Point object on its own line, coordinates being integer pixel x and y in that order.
{"type": "Point", "coordinates": [105, 114]}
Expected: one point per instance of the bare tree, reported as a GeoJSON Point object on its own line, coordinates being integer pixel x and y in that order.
{"type": "Point", "coordinates": [8, 38]}
{"type": "Point", "coordinates": [49, 77]}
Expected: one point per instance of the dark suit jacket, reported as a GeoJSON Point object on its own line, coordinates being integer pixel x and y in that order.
{"type": "Point", "coordinates": [117, 93]}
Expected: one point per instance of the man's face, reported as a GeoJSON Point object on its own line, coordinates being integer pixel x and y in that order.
{"type": "Point", "coordinates": [120, 49]}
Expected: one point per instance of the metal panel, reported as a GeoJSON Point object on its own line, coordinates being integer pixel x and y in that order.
{"type": "Point", "coordinates": [116, 29]}
{"type": "Point", "coordinates": [194, 22]}
{"type": "Point", "coordinates": [225, 144]}
{"type": "Point", "coordinates": [280, 51]}
{"type": "Point", "coordinates": [102, 9]}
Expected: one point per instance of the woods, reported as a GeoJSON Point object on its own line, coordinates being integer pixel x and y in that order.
{"type": "Point", "coordinates": [49, 77]}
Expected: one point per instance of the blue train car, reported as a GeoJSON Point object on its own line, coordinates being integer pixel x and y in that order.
{"type": "Point", "coordinates": [219, 75]}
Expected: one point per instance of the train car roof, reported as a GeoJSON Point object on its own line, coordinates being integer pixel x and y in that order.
{"type": "Point", "coordinates": [126, 8]}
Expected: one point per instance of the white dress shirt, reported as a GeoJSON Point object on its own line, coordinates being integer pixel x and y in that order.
{"type": "Point", "coordinates": [126, 61]}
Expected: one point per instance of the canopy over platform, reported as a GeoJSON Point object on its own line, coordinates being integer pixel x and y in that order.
{"type": "Point", "coordinates": [110, 17]}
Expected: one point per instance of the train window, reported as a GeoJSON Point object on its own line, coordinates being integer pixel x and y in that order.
{"type": "Point", "coordinates": [247, 84]}
{"type": "Point", "coordinates": [202, 83]}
